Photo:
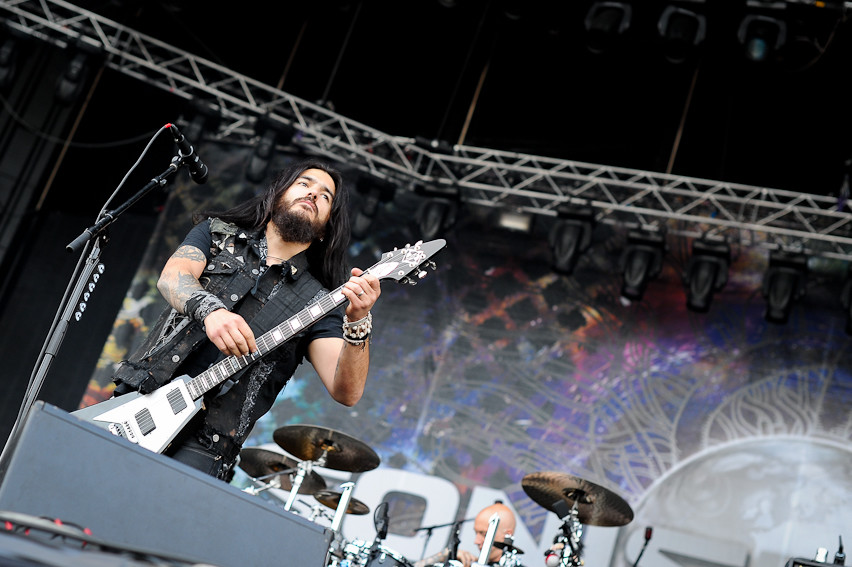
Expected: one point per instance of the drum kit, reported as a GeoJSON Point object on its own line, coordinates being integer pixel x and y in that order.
{"type": "Point", "coordinates": [575, 501]}
{"type": "Point", "coordinates": [314, 446]}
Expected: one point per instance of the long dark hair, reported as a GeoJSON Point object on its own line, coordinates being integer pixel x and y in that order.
{"type": "Point", "coordinates": [328, 256]}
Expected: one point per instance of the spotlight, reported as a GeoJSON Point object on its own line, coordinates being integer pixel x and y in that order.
{"type": "Point", "coordinates": [71, 82]}
{"type": "Point", "coordinates": [8, 62]}
{"type": "Point", "coordinates": [761, 36]}
{"type": "Point", "coordinates": [437, 213]}
{"type": "Point", "coordinates": [641, 261]}
{"type": "Point", "coordinates": [706, 273]}
{"type": "Point", "coordinates": [783, 283]}
{"type": "Point", "coordinates": [570, 236]}
{"type": "Point", "coordinates": [516, 221]}
{"type": "Point", "coordinates": [682, 31]}
{"type": "Point", "coordinates": [375, 191]}
{"type": "Point", "coordinates": [434, 145]}
{"type": "Point", "coordinates": [606, 23]}
{"type": "Point", "coordinates": [271, 134]}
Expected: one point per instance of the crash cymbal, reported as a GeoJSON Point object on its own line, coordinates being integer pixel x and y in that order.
{"type": "Point", "coordinates": [507, 547]}
{"type": "Point", "coordinates": [596, 506]}
{"type": "Point", "coordinates": [331, 499]}
{"type": "Point", "coordinates": [342, 452]}
{"type": "Point", "coordinates": [259, 463]}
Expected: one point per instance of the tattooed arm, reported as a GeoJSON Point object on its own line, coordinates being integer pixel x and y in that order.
{"type": "Point", "coordinates": [179, 278]}
{"type": "Point", "coordinates": [179, 281]}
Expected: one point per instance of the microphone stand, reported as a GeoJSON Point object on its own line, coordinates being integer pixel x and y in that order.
{"type": "Point", "coordinates": [85, 277]}
{"type": "Point", "coordinates": [429, 529]}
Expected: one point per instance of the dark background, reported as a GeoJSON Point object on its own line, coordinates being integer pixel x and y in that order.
{"type": "Point", "coordinates": [411, 68]}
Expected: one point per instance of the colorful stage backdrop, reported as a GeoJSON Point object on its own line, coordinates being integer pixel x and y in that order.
{"type": "Point", "coordinates": [728, 435]}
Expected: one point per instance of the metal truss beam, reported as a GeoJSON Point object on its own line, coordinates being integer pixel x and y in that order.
{"type": "Point", "coordinates": [684, 206]}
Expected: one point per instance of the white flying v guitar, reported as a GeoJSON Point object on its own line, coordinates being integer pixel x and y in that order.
{"type": "Point", "coordinates": [153, 420]}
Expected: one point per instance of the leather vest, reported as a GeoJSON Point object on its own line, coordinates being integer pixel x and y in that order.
{"type": "Point", "coordinates": [231, 274]}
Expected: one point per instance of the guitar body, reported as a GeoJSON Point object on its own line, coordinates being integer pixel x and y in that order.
{"type": "Point", "coordinates": [152, 420]}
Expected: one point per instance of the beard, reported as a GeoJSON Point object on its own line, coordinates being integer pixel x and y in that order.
{"type": "Point", "coordinates": [296, 227]}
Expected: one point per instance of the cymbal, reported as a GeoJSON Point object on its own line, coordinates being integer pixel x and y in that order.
{"type": "Point", "coordinates": [342, 452]}
{"type": "Point", "coordinates": [331, 499]}
{"type": "Point", "coordinates": [596, 506]}
{"type": "Point", "coordinates": [260, 462]}
{"type": "Point", "coordinates": [507, 547]}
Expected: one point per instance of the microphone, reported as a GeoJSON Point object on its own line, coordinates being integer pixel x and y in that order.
{"type": "Point", "coordinates": [197, 169]}
{"type": "Point", "coordinates": [649, 531]}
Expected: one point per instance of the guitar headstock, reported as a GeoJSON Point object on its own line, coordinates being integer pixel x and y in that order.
{"type": "Point", "coordinates": [400, 263]}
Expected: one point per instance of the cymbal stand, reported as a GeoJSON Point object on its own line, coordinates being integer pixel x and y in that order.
{"type": "Point", "coordinates": [343, 505]}
{"type": "Point", "coordinates": [263, 485]}
{"type": "Point", "coordinates": [303, 469]}
{"type": "Point", "coordinates": [571, 536]}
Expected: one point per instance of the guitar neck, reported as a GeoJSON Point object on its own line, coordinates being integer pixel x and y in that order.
{"type": "Point", "coordinates": [268, 341]}
{"type": "Point", "coordinates": [396, 265]}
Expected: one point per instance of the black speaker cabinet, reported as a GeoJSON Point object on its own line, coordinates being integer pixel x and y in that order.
{"type": "Point", "coordinates": [61, 467]}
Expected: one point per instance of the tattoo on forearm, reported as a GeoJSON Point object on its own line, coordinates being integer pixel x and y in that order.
{"type": "Point", "coordinates": [179, 287]}
{"type": "Point", "coordinates": [190, 253]}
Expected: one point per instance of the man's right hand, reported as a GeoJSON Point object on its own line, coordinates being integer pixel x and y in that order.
{"type": "Point", "coordinates": [230, 333]}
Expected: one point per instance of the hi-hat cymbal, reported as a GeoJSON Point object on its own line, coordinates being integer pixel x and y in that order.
{"type": "Point", "coordinates": [331, 499]}
{"type": "Point", "coordinates": [507, 547]}
{"type": "Point", "coordinates": [596, 506]}
{"type": "Point", "coordinates": [342, 452]}
{"type": "Point", "coordinates": [260, 463]}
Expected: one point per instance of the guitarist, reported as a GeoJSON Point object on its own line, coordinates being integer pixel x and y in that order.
{"type": "Point", "coordinates": [238, 274]}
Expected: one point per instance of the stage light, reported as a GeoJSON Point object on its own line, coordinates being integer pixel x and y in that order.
{"type": "Point", "coordinates": [270, 133]}
{"type": "Point", "coordinates": [570, 236]}
{"type": "Point", "coordinates": [606, 23]}
{"type": "Point", "coordinates": [761, 36]}
{"type": "Point", "coordinates": [706, 273]}
{"type": "Point", "coordinates": [70, 83]}
{"type": "Point", "coordinates": [437, 212]}
{"type": "Point", "coordinates": [682, 32]}
{"type": "Point", "coordinates": [514, 220]}
{"type": "Point", "coordinates": [8, 62]}
{"type": "Point", "coordinates": [783, 283]}
{"type": "Point", "coordinates": [375, 191]}
{"type": "Point", "coordinates": [641, 261]}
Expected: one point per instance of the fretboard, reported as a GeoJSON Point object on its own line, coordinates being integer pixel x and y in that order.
{"type": "Point", "coordinates": [268, 341]}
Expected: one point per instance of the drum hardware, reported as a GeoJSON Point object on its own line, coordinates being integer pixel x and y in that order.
{"type": "Point", "coordinates": [326, 448]}
{"type": "Point", "coordinates": [509, 558]}
{"type": "Point", "coordinates": [493, 522]}
{"type": "Point", "coordinates": [358, 553]}
{"type": "Point", "coordinates": [576, 502]}
{"type": "Point", "coordinates": [262, 465]}
{"type": "Point", "coordinates": [343, 505]}
{"type": "Point", "coordinates": [331, 499]}
{"type": "Point", "coordinates": [596, 506]}
{"type": "Point", "coordinates": [429, 529]}
{"type": "Point", "coordinates": [318, 510]}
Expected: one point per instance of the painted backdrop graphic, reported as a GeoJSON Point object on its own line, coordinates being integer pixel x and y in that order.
{"type": "Point", "coordinates": [728, 435]}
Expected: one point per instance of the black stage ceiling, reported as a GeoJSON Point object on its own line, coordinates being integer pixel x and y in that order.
{"type": "Point", "coordinates": [523, 76]}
